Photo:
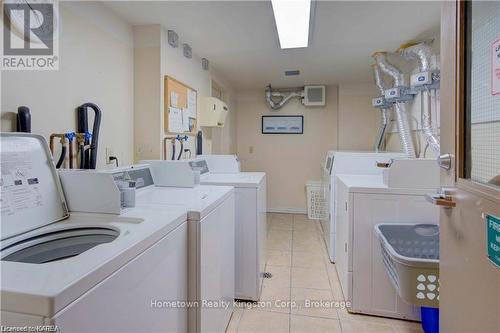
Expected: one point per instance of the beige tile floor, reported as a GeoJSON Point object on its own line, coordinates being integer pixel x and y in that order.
{"type": "Point", "coordinates": [300, 268]}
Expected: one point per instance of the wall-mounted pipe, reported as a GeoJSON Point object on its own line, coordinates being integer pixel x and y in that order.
{"type": "Point", "coordinates": [385, 113]}
{"type": "Point", "coordinates": [400, 108]}
{"type": "Point", "coordinates": [422, 51]}
{"type": "Point", "coordinates": [283, 97]}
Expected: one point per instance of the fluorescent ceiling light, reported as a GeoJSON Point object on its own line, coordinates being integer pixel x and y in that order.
{"type": "Point", "coordinates": [292, 22]}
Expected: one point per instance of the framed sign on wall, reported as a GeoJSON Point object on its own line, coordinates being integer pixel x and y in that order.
{"type": "Point", "coordinates": [282, 124]}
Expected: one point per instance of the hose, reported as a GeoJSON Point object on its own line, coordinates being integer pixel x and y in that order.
{"type": "Point", "coordinates": [91, 155]}
{"type": "Point", "coordinates": [62, 157]}
{"type": "Point", "coordinates": [181, 150]}
{"type": "Point", "coordinates": [173, 150]}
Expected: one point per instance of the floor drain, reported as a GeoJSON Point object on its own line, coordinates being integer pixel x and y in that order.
{"type": "Point", "coordinates": [267, 275]}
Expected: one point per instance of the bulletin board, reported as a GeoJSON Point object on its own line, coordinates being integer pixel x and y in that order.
{"type": "Point", "coordinates": [180, 109]}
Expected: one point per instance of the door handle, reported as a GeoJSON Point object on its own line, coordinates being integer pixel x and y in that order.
{"type": "Point", "coordinates": [445, 161]}
{"type": "Point", "coordinates": [440, 199]}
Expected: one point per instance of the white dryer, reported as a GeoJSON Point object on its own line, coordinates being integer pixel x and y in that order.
{"type": "Point", "coordinates": [211, 240]}
{"type": "Point", "coordinates": [250, 207]}
{"type": "Point", "coordinates": [83, 272]}
{"type": "Point", "coordinates": [251, 221]}
{"type": "Point", "coordinates": [362, 202]}
{"type": "Point", "coordinates": [346, 162]}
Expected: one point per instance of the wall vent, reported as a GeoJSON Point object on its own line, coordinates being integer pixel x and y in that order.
{"type": "Point", "coordinates": [292, 73]}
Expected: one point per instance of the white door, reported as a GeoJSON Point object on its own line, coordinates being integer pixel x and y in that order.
{"type": "Point", "coordinates": [470, 133]}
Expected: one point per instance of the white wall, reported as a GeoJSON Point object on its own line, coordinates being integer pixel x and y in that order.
{"type": "Point", "coordinates": [358, 120]}
{"type": "Point", "coordinates": [289, 160]}
{"type": "Point", "coordinates": [96, 65]}
{"type": "Point", "coordinates": [348, 121]}
{"type": "Point", "coordinates": [155, 58]}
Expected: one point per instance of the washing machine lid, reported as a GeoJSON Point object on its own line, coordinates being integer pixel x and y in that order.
{"type": "Point", "coordinates": [32, 196]}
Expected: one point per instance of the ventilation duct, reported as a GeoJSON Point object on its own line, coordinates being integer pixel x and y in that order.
{"type": "Point", "coordinates": [422, 51]}
{"type": "Point", "coordinates": [277, 98]}
{"type": "Point", "coordinates": [385, 112]}
{"type": "Point", "coordinates": [400, 108]}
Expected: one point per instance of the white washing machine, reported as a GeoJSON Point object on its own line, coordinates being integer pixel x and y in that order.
{"type": "Point", "coordinates": [83, 272]}
{"type": "Point", "coordinates": [362, 202]}
{"type": "Point", "coordinates": [250, 206]}
{"type": "Point", "coordinates": [211, 239]}
{"type": "Point", "coordinates": [346, 162]}
{"type": "Point", "coordinates": [251, 220]}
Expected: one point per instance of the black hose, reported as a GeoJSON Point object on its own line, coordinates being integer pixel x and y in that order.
{"type": "Point", "coordinates": [61, 158]}
{"type": "Point", "coordinates": [173, 150]}
{"type": "Point", "coordinates": [199, 143]}
{"type": "Point", "coordinates": [23, 119]}
{"type": "Point", "coordinates": [181, 150]}
{"type": "Point", "coordinates": [92, 162]}
{"type": "Point", "coordinates": [83, 127]}
{"type": "Point", "coordinates": [82, 157]}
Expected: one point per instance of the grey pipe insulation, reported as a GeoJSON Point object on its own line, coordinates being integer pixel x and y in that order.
{"type": "Point", "coordinates": [422, 51]}
{"type": "Point", "coordinates": [385, 113]}
{"type": "Point", "coordinates": [400, 107]}
{"type": "Point", "coordinates": [283, 97]}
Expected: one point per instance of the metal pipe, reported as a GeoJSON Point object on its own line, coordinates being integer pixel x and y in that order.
{"type": "Point", "coordinates": [400, 108]}
{"type": "Point", "coordinates": [284, 97]}
{"type": "Point", "coordinates": [385, 116]}
{"type": "Point", "coordinates": [422, 51]}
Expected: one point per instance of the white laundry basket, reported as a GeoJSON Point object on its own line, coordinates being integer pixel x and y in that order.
{"type": "Point", "coordinates": [317, 208]}
{"type": "Point", "coordinates": [410, 254]}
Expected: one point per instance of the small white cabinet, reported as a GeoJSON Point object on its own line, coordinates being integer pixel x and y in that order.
{"type": "Point", "coordinates": [213, 112]}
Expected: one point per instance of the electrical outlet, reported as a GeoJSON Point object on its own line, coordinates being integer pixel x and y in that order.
{"type": "Point", "coordinates": [109, 153]}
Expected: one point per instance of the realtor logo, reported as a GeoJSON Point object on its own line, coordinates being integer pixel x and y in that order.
{"type": "Point", "coordinates": [30, 35]}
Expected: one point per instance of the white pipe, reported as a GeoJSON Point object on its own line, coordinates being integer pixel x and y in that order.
{"type": "Point", "coordinates": [385, 115]}
{"type": "Point", "coordinates": [399, 107]}
{"type": "Point", "coordinates": [284, 98]}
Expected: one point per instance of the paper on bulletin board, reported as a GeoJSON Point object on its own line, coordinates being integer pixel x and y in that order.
{"type": "Point", "coordinates": [174, 99]}
{"type": "Point", "coordinates": [175, 120]}
{"type": "Point", "coordinates": [191, 103]}
{"type": "Point", "coordinates": [185, 120]}
{"type": "Point", "coordinates": [495, 67]}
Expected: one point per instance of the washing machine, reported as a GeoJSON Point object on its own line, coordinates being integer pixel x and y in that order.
{"type": "Point", "coordinates": [362, 202]}
{"type": "Point", "coordinates": [81, 272]}
{"type": "Point", "coordinates": [346, 162]}
{"type": "Point", "coordinates": [250, 208]}
{"type": "Point", "coordinates": [211, 238]}
{"type": "Point", "coordinates": [251, 221]}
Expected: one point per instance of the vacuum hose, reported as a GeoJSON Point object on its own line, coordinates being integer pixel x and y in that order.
{"type": "Point", "coordinates": [90, 157]}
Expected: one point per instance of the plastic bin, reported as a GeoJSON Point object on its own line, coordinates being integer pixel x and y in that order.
{"type": "Point", "coordinates": [410, 254]}
{"type": "Point", "coordinates": [317, 208]}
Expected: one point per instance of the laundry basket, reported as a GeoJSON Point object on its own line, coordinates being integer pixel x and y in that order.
{"type": "Point", "coordinates": [410, 254]}
{"type": "Point", "coordinates": [317, 208]}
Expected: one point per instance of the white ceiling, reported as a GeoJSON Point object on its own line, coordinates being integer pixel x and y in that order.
{"type": "Point", "coordinates": [240, 40]}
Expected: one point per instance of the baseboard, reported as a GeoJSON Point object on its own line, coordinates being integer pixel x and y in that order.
{"type": "Point", "coordinates": [287, 210]}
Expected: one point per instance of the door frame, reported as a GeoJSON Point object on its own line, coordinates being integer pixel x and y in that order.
{"type": "Point", "coordinates": [453, 60]}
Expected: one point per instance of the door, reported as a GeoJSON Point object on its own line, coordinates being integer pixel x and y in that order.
{"type": "Point", "coordinates": [470, 133]}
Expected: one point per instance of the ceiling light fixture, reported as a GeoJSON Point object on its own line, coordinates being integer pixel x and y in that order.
{"type": "Point", "coordinates": [292, 22]}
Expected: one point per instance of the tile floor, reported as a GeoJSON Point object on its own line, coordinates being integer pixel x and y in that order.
{"type": "Point", "coordinates": [298, 261]}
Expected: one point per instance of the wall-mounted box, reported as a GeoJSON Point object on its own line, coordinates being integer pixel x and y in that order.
{"type": "Point", "coordinates": [213, 112]}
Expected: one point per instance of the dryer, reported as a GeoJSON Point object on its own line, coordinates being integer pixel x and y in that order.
{"type": "Point", "coordinates": [250, 208]}
{"type": "Point", "coordinates": [78, 271]}
{"type": "Point", "coordinates": [362, 202]}
{"type": "Point", "coordinates": [346, 162]}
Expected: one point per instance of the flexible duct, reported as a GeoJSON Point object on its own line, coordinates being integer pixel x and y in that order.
{"type": "Point", "coordinates": [385, 116]}
{"type": "Point", "coordinates": [423, 52]}
{"type": "Point", "coordinates": [400, 108]}
{"type": "Point", "coordinates": [284, 98]}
